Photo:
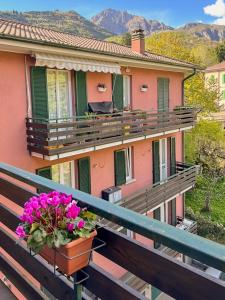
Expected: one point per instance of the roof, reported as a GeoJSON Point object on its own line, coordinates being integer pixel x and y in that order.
{"type": "Point", "coordinates": [34, 34]}
{"type": "Point", "coordinates": [217, 67]}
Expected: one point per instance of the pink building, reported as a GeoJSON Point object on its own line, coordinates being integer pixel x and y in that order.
{"type": "Point", "coordinates": [96, 115]}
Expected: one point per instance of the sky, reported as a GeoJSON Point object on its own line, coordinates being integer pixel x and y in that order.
{"type": "Point", "coordinates": [174, 12]}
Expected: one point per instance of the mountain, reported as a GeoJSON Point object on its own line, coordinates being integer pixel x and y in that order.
{"type": "Point", "coordinates": [119, 22]}
{"type": "Point", "coordinates": [69, 21]}
{"type": "Point", "coordinates": [209, 31]}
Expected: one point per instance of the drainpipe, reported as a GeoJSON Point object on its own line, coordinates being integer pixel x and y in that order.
{"type": "Point", "coordinates": [183, 81]}
{"type": "Point", "coordinates": [183, 155]}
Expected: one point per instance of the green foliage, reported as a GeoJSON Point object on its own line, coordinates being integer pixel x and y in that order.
{"type": "Point", "coordinates": [204, 97]}
{"type": "Point", "coordinates": [206, 227]}
{"type": "Point", "coordinates": [220, 52]}
{"type": "Point", "coordinates": [124, 39]}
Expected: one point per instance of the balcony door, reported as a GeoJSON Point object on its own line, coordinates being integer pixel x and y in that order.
{"type": "Point", "coordinates": [163, 158]}
{"type": "Point", "coordinates": [59, 94]}
{"type": "Point", "coordinates": [126, 92]}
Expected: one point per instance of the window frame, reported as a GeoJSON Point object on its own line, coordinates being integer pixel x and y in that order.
{"type": "Point", "coordinates": [127, 91]}
{"type": "Point", "coordinates": [129, 163]}
{"type": "Point", "coordinates": [72, 172]}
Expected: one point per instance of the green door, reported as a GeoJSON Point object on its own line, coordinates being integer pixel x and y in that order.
{"type": "Point", "coordinates": [117, 91]}
{"type": "Point", "coordinates": [39, 92]}
{"type": "Point", "coordinates": [46, 173]}
{"type": "Point", "coordinates": [84, 176]}
{"type": "Point", "coordinates": [163, 94]}
{"type": "Point", "coordinates": [155, 161]}
{"type": "Point", "coordinates": [81, 93]}
{"type": "Point", "coordinates": [120, 167]}
{"type": "Point", "coordinates": [172, 156]}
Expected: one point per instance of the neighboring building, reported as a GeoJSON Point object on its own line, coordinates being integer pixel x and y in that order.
{"type": "Point", "coordinates": [99, 115]}
{"type": "Point", "coordinates": [217, 73]}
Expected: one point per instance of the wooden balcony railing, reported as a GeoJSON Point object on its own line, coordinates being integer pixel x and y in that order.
{"type": "Point", "coordinates": [150, 197]}
{"type": "Point", "coordinates": [171, 276]}
{"type": "Point", "coordinates": [59, 136]}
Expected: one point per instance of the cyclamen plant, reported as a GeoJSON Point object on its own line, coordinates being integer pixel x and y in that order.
{"type": "Point", "coordinates": [53, 219]}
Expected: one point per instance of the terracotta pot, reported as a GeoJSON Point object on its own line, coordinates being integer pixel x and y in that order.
{"type": "Point", "coordinates": [69, 265]}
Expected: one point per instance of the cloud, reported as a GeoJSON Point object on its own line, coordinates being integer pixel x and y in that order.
{"type": "Point", "coordinates": [216, 10]}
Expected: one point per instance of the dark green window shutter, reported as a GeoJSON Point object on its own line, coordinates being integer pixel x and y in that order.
{"type": "Point", "coordinates": [39, 92]}
{"type": "Point", "coordinates": [156, 161]}
{"type": "Point", "coordinates": [157, 216]}
{"type": "Point", "coordinates": [172, 156]}
{"type": "Point", "coordinates": [81, 93]}
{"type": "Point", "coordinates": [163, 94]}
{"type": "Point", "coordinates": [120, 167]}
{"type": "Point", "coordinates": [117, 90]}
{"type": "Point", "coordinates": [84, 177]}
{"type": "Point", "coordinates": [46, 173]}
{"type": "Point", "coordinates": [223, 78]}
{"type": "Point", "coordinates": [174, 212]}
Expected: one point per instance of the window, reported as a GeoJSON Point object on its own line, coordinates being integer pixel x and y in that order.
{"type": "Point", "coordinates": [126, 231]}
{"type": "Point", "coordinates": [123, 166]}
{"type": "Point", "coordinates": [59, 97]}
{"type": "Point", "coordinates": [126, 91]}
{"type": "Point", "coordinates": [64, 173]}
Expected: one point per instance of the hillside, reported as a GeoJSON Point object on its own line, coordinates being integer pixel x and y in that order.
{"type": "Point", "coordinates": [120, 22]}
{"type": "Point", "coordinates": [69, 21]}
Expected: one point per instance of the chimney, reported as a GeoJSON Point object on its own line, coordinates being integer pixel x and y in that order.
{"type": "Point", "coordinates": [138, 41]}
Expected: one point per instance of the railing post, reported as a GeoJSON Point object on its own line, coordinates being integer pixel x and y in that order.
{"type": "Point", "coordinates": [77, 287]}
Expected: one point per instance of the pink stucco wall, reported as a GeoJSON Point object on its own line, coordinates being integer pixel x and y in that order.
{"type": "Point", "coordinates": [93, 79]}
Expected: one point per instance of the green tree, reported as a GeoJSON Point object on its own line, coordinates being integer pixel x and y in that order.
{"type": "Point", "coordinates": [220, 52]}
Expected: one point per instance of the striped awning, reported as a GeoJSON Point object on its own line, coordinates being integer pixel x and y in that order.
{"type": "Point", "coordinates": [77, 64]}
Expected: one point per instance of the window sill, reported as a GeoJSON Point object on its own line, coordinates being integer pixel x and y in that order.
{"type": "Point", "coordinates": [132, 180]}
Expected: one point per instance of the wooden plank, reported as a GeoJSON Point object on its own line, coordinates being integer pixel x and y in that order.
{"type": "Point", "coordinates": [104, 286]}
{"type": "Point", "coordinates": [192, 245]}
{"type": "Point", "coordinates": [14, 192]}
{"type": "Point", "coordinates": [177, 279]}
{"type": "Point", "coordinates": [37, 267]}
{"type": "Point", "coordinates": [29, 291]}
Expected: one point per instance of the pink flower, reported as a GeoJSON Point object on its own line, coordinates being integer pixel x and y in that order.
{"type": "Point", "coordinates": [70, 227]}
{"type": "Point", "coordinates": [38, 214]}
{"type": "Point", "coordinates": [20, 231]}
{"type": "Point", "coordinates": [81, 224]}
{"type": "Point", "coordinates": [55, 200]}
{"type": "Point", "coordinates": [35, 204]}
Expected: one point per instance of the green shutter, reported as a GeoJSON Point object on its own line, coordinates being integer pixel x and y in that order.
{"type": "Point", "coordinates": [223, 78]}
{"type": "Point", "coordinates": [46, 173]}
{"type": "Point", "coordinates": [81, 93]}
{"type": "Point", "coordinates": [163, 94]}
{"type": "Point", "coordinates": [224, 95]}
{"type": "Point", "coordinates": [39, 92]}
{"type": "Point", "coordinates": [157, 216]}
{"type": "Point", "coordinates": [120, 167]}
{"type": "Point", "coordinates": [84, 178]}
{"type": "Point", "coordinates": [172, 156]}
{"type": "Point", "coordinates": [156, 161]}
{"type": "Point", "coordinates": [174, 212]}
{"type": "Point", "coordinates": [117, 90]}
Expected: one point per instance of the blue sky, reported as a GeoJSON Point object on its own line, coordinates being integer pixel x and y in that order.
{"type": "Point", "coordinates": [173, 12]}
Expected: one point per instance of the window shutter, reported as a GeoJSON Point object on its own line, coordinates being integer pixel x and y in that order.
{"type": "Point", "coordinates": [81, 93]}
{"type": "Point", "coordinates": [156, 162]}
{"type": "Point", "coordinates": [46, 173]}
{"type": "Point", "coordinates": [117, 90]}
{"type": "Point", "coordinates": [157, 216]}
{"type": "Point", "coordinates": [84, 178]}
{"type": "Point", "coordinates": [172, 156]}
{"type": "Point", "coordinates": [120, 167]}
{"type": "Point", "coordinates": [39, 92]}
{"type": "Point", "coordinates": [163, 94]}
{"type": "Point", "coordinates": [174, 212]}
{"type": "Point", "coordinates": [223, 78]}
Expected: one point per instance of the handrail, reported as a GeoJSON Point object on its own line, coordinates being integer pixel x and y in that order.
{"type": "Point", "coordinates": [194, 246]}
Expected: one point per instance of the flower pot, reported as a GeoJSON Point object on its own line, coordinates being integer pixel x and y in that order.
{"type": "Point", "coordinates": [101, 89]}
{"type": "Point", "coordinates": [144, 89]}
{"type": "Point", "coordinates": [72, 257]}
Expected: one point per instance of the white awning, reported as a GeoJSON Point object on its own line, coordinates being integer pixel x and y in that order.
{"type": "Point", "coordinates": [77, 64]}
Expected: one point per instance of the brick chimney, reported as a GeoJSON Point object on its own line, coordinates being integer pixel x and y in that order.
{"type": "Point", "coordinates": [138, 41]}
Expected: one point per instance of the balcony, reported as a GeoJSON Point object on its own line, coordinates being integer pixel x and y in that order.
{"type": "Point", "coordinates": [173, 277]}
{"type": "Point", "coordinates": [58, 138]}
{"type": "Point", "coordinates": [150, 197]}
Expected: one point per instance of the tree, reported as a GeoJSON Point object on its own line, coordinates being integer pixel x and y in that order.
{"type": "Point", "coordinates": [220, 52]}
{"type": "Point", "coordinates": [205, 146]}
